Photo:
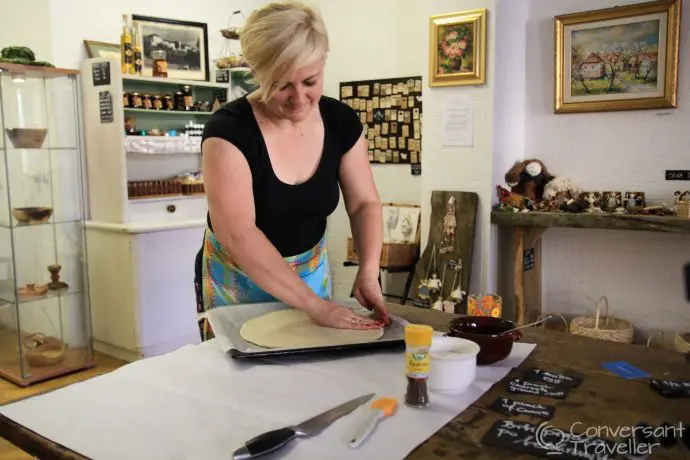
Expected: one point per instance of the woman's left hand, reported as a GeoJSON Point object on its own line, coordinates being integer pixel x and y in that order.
{"type": "Point", "coordinates": [368, 293]}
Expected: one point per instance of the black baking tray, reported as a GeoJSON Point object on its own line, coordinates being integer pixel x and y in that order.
{"type": "Point", "coordinates": [386, 345]}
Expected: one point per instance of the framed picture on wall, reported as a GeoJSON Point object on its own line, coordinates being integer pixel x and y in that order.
{"type": "Point", "coordinates": [95, 49]}
{"type": "Point", "coordinates": [185, 44]}
{"type": "Point", "coordinates": [457, 48]}
{"type": "Point", "coordinates": [621, 58]}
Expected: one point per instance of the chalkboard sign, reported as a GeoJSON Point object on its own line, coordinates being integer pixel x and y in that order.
{"type": "Point", "coordinates": [570, 379]}
{"type": "Point", "coordinates": [525, 387]}
{"type": "Point", "coordinates": [105, 106]}
{"type": "Point", "coordinates": [101, 73]}
{"type": "Point", "coordinates": [507, 406]}
{"type": "Point", "coordinates": [671, 388]}
{"type": "Point", "coordinates": [422, 303]}
{"type": "Point", "coordinates": [547, 441]}
{"type": "Point", "coordinates": [677, 174]}
{"type": "Point", "coordinates": [528, 259]}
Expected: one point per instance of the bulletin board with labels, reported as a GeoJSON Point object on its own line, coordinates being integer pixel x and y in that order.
{"type": "Point", "coordinates": [391, 112]}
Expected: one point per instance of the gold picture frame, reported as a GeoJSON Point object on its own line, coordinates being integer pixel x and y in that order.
{"type": "Point", "coordinates": [457, 48]}
{"type": "Point", "coordinates": [620, 58]}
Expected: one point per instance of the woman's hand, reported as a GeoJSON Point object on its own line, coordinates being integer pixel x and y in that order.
{"type": "Point", "coordinates": [330, 314]}
{"type": "Point", "coordinates": [368, 293]}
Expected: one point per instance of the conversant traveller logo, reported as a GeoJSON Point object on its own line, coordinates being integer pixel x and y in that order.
{"type": "Point", "coordinates": [603, 441]}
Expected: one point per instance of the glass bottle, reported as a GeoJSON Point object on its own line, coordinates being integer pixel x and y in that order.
{"type": "Point", "coordinates": [126, 47]}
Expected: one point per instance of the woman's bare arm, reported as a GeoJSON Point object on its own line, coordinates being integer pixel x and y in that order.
{"type": "Point", "coordinates": [228, 186]}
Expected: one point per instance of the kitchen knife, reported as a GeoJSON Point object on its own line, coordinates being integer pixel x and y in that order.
{"type": "Point", "coordinates": [274, 440]}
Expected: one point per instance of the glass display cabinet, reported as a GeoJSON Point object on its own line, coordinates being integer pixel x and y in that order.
{"type": "Point", "coordinates": [45, 326]}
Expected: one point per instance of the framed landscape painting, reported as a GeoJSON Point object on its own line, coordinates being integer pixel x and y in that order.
{"type": "Point", "coordinates": [621, 58]}
{"type": "Point", "coordinates": [457, 49]}
{"type": "Point", "coordinates": [185, 44]}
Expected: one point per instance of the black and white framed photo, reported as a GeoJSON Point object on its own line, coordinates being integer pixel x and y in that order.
{"type": "Point", "coordinates": [185, 44]}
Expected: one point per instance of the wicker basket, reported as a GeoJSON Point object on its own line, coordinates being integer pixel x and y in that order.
{"type": "Point", "coordinates": [683, 204]}
{"type": "Point", "coordinates": [682, 342]}
{"type": "Point", "coordinates": [603, 327]}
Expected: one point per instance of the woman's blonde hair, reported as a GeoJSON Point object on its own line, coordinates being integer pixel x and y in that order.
{"type": "Point", "coordinates": [280, 38]}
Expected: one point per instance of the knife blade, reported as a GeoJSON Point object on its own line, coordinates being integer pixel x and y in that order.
{"type": "Point", "coordinates": [275, 439]}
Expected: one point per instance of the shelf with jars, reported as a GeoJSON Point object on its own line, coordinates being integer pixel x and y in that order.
{"type": "Point", "coordinates": [45, 317]}
{"type": "Point", "coordinates": [147, 205]}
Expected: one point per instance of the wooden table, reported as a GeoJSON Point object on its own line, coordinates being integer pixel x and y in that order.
{"type": "Point", "coordinates": [529, 227]}
{"type": "Point", "coordinates": [601, 400]}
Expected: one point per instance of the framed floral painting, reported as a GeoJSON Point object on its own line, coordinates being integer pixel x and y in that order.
{"type": "Point", "coordinates": [457, 48]}
{"type": "Point", "coordinates": [620, 58]}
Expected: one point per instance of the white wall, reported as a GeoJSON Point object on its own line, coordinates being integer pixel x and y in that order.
{"type": "Point", "coordinates": [27, 23]}
{"type": "Point", "coordinates": [371, 40]}
{"type": "Point", "coordinates": [462, 168]}
{"type": "Point", "coordinates": [639, 272]}
{"type": "Point", "coordinates": [102, 21]}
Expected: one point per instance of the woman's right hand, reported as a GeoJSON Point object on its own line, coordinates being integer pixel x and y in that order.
{"type": "Point", "coordinates": [330, 314]}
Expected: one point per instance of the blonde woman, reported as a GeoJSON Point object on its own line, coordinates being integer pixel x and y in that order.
{"type": "Point", "coordinates": [274, 164]}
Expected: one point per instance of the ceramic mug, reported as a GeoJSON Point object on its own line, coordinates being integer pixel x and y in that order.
{"type": "Point", "coordinates": [453, 364]}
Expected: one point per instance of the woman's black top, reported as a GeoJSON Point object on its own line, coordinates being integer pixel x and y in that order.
{"type": "Point", "coordinates": [293, 217]}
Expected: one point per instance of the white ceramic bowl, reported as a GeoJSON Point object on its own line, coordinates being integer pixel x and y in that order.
{"type": "Point", "coordinates": [453, 364]}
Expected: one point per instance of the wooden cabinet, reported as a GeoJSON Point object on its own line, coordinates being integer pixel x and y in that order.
{"type": "Point", "coordinates": [143, 232]}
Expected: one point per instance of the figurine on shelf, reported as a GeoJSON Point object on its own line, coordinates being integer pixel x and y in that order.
{"type": "Point", "coordinates": [528, 178]}
{"type": "Point", "coordinates": [424, 291]}
{"type": "Point", "coordinates": [435, 286]}
{"type": "Point", "coordinates": [449, 225]}
{"type": "Point", "coordinates": [55, 283]}
{"type": "Point", "coordinates": [448, 306]}
{"type": "Point", "coordinates": [512, 200]}
{"type": "Point", "coordinates": [593, 199]}
{"type": "Point", "coordinates": [457, 294]}
{"type": "Point", "coordinates": [612, 201]}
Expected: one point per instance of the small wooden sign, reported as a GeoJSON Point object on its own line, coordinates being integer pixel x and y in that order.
{"type": "Point", "coordinates": [671, 388]}
{"type": "Point", "coordinates": [570, 379]}
{"type": "Point", "coordinates": [507, 406]}
{"type": "Point", "coordinates": [520, 386]}
{"type": "Point", "coordinates": [548, 441]}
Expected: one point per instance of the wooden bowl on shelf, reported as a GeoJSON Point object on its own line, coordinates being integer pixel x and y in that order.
{"type": "Point", "coordinates": [33, 214]}
{"type": "Point", "coordinates": [32, 291]}
{"type": "Point", "coordinates": [44, 350]}
{"type": "Point", "coordinates": [27, 138]}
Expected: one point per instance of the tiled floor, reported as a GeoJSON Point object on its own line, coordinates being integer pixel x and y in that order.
{"type": "Point", "coordinates": [11, 392]}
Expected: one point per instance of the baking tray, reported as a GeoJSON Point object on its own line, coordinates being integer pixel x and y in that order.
{"type": "Point", "coordinates": [227, 321]}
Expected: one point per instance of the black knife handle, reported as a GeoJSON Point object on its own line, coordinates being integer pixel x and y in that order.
{"type": "Point", "coordinates": [265, 443]}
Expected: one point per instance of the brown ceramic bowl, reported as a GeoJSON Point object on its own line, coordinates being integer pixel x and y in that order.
{"type": "Point", "coordinates": [485, 330]}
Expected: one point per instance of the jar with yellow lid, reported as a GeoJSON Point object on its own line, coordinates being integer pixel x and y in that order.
{"type": "Point", "coordinates": [418, 339]}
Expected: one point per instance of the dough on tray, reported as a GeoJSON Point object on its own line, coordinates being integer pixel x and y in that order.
{"type": "Point", "coordinates": [293, 328]}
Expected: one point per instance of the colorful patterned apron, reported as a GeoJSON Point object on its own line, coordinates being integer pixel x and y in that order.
{"type": "Point", "coordinates": [223, 283]}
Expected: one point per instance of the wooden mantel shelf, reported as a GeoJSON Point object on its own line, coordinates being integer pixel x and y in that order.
{"type": "Point", "coordinates": [528, 228]}
{"type": "Point", "coordinates": [544, 220]}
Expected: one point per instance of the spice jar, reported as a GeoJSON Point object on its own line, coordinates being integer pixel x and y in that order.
{"type": "Point", "coordinates": [168, 102]}
{"type": "Point", "coordinates": [188, 99]}
{"type": "Point", "coordinates": [179, 101]}
{"type": "Point", "coordinates": [137, 101]}
{"type": "Point", "coordinates": [147, 101]}
{"type": "Point", "coordinates": [417, 345]}
{"type": "Point", "coordinates": [157, 103]}
{"type": "Point", "coordinates": [125, 99]}
{"type": "Point", "coordinates": [160, 63]}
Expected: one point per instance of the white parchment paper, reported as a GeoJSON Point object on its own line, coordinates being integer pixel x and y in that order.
{"type": "Point", "coordinates": [198, 403]}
